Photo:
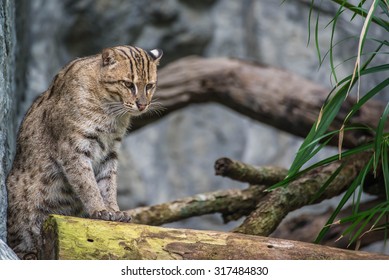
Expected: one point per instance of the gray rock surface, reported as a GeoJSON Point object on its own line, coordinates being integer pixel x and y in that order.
{"type": "Point", "coordinates": [6, 253]}
{"type": "Point", "coordinates": [7, 106]}
{"type": "Point", "coordinates": [8, 111]}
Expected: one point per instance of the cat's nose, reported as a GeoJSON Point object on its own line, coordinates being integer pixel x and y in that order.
{"type": "Point", "coordinates": [141, 106]}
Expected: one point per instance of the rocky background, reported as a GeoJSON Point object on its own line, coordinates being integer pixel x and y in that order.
{"type": "Point", "coordinates": [7, 87]}
{"type": "Point", "coordinates": [13, 67]}
{"type": "Point", "coordinates": [174, 157]}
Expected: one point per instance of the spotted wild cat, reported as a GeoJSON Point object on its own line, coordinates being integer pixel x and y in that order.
{"type": "Point", "coordinates": [68, 142]}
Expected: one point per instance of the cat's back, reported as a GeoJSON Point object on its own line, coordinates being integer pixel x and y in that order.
{"type": "Point", "coordinates": [49, 113]}
{"type": "Point", "coordinates": [50, 118]}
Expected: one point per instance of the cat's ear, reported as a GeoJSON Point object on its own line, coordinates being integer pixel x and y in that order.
{"type": "Point", "coordinates": [108, 57]}
{"type": "Point", "coordinates": [156, 55]}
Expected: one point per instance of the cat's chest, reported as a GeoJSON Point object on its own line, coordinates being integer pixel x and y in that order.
{"type": "Point", "coordinates": [102, 146]}
{"type": "Point", "coordinates": [99, 140]}
{"type": "Point", "coordinates": [97, 144]}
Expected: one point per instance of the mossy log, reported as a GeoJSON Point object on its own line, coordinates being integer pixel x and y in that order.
{"type": "Point", "coordinates": [78, 238]}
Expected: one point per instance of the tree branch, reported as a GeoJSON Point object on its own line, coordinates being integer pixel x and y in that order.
{"type": "Point", "coordinates": [239, 171]}
{"type": "Point", "coordinates": [232, 204]}
{"type": "Point", "coordinates": [274, 207]}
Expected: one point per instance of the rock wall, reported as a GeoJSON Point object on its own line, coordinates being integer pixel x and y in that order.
{"type": "Point", "coordinates": [7, 111]}
{"type": "Point", "coordinates": [13, 62]}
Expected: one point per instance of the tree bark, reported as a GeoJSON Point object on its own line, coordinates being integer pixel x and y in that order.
{"type": "Point", "coordinates": [255, 175]}
{"type": "Point", "coordinates": [273, 96]}
{"type": "Point", "coordinates": [232, 204]}
{"type": "Point", "coordinates": [83, 239]}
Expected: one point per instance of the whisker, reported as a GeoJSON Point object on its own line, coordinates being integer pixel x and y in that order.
{"type": "Point", "coordinates": [157, 105]}
{"type": "Point", "coordinates": [114, 109]}
{"type": "Point", "coordinates": [155, 108]}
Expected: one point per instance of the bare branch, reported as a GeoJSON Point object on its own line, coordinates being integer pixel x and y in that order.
{"type": "Point", "coordinates": [239, 171]}
{"type": "Point", "coordinates": [233, 204]}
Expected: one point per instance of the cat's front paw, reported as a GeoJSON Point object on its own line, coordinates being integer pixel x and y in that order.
{"type": "Point", "coordinates": [117, 216]}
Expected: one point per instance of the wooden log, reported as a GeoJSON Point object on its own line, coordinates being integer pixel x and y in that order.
{"type": "Point", "coordinates": [77, 238]}
{"type": "Point", "coordinates": [266, 94]}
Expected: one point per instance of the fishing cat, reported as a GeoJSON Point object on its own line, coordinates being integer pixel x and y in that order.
{"type": "Point", "coordinates": [68, 143]}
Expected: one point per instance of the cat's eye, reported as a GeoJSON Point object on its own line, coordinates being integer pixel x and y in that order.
{"type": "Point", "coordinates": [149, 87]}
{"type": "Point", "coordinates": [129, 85]}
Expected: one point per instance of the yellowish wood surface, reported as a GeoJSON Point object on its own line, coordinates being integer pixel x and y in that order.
{"type": "Point", "coordinates": [81, 239]}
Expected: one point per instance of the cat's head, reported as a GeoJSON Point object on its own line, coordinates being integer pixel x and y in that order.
{"type": "Point", "coordinates": [129, 77]}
